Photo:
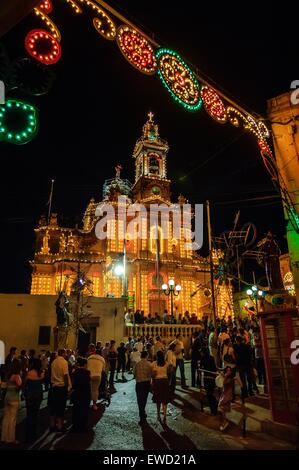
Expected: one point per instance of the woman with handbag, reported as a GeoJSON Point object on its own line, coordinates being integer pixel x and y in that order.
{"type": "Point", "coordinates": [225, 400]}
{"type": "Point", "coordinates": [229, 360]}
{"type": "Point", "coordinates": [11, 402]}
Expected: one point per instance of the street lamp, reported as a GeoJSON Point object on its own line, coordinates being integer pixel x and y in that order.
{"type": "Point", "coordinates": [255, 293]}
{"type": "Point", "coordinates": [119, 270]}
{"type": "Point", "coordinates": [173, 290]}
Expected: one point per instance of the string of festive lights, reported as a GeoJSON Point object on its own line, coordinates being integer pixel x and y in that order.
{"type": "Point", "coordinates": [18, 122]}
{"type": "Point", "coordinates": [213, 105]}
{"type": "Point", "coordinates": [74, 5]}
{"type": "Point", "coordinates": [49, 23]}
{"type": "Point", "coordinates": [42, 46]}
{"type": "Point", "coordinates": [136, 49]}
{"type": "Point", "coordinates": [46, 6]}
{"type": "Point", "coordinates": [104, 25]}
{"type": "Point", "coordinates": [179, 79]}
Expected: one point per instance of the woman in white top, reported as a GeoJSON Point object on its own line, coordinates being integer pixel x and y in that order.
{"type": "Point", "coordinates": [171, 360]}
{"type": "Point", "coordinates": [161, 388]}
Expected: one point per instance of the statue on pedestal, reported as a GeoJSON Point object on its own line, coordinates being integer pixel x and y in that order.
{"type": "Point", "coordinates": [271, 253]}
{"type": "Point", "coordinates": [62, 312]}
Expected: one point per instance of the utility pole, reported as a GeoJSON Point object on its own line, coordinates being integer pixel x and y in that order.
{"type": "Point", "coordinates": [211, 262]}
{"type": "Point", "coordinates": [50, 202]}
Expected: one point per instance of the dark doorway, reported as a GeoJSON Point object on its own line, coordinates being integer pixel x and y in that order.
{"type": "Point", "coordinates": [85, 339]}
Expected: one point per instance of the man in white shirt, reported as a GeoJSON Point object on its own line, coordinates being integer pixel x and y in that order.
{"type": "Point", "coordinates": [158, 346]}
{"type": "Point", "coordinates": [61, 383]}
{"type": "Point", "coordinates": [139, 345]}
{"type": "Point", "coordinates": [95, 364]}
{"type": "Point", "coordinates": [135, 357]}
{"type": "Point", "coordinates": [179, 352]}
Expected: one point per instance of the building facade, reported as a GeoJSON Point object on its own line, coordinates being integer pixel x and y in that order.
{"type": "Point", "coordinates": [150, 250]}
{"type": "Point", "coordinates": [283, 113]}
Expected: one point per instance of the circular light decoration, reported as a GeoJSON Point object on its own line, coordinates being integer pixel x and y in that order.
{"type": "Point", "coordinates": [18, 122]}
{"type": "Point", "coordinates": [214, 106]}
{"type": "Point", "coordinates": [46, 6]}
{"type": "Point", "coordinates": [137, 50]}
{"type": "Point", "coordinates": [179, 79]}
{"type": "Point", "coordinates": [31, 77]}
{"type": "Point", "coordinates": [43, 47]}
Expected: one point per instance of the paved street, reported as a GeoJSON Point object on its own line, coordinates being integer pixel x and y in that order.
{"type": "Point", "coordinates": [116, 427]}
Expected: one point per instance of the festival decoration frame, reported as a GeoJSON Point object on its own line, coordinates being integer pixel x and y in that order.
{"type": "Point", "coordinates": [186, 87]}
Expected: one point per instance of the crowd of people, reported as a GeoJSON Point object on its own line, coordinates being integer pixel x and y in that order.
{"type": "Point", "coordinates": [138, 317]}
{"type": "Point", "coordinates": [232, 347]}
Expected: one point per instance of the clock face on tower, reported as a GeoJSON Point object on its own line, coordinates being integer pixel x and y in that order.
{"type": "Point", "coordinates": [156, 190]}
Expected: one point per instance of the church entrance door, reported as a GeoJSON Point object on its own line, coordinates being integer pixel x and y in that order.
{"type": "Point", "coordinates": [154, 306]}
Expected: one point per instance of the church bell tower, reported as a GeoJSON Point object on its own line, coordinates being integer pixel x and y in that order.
{"type": "Point", "coordinates": [151, 183]}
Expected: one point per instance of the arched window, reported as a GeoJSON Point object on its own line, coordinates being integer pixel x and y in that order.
{"type": "Point", "coordinates": [153, 165]}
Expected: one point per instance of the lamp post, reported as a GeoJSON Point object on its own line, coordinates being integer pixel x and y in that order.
{"type": "Point", "coordinates": [255, 293]}
{"type": "Point", "coordinates": [173, 290]}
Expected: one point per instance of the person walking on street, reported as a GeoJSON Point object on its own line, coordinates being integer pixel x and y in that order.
{"type": "Point", "coordinates": [207, 363]}
{"type": "Point", "coordinates": [195, 356]}
{"type": "Point", "coordinates": [171, 360]}
{"type": "Point", "coordinates": [121, 361]}
{"type": "Point", "coordinates": [112, 359]}
{"type": "Point", "coordinates": [95, 364]}
{"type": "Point", "coordinates": [224, 405]}
{"type": "Point", "coordinates": [81, 396]}
{"type": "Point", "coordinates": [33, 391]}
{"type": "Point", "coordinates": [143, 373]}
{"type": "Point", "coordinates": [213, 345]}
{"type": "Point", "coordinates": [160, 371]}
{"type": "Point", "coordinates": [179, 351]}
{"type": "Point", "coordinates": [11, 402]}
{"type": "Point", "coordinates": [61, 384]}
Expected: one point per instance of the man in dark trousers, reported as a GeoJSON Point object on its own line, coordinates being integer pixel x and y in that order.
{"type": "Point", "coordinates": [195, 356]}
{"type": "Point", "coordinates": [81, 396]}
{"type": "Point", "coordinates": [143, 373]}
{"type": "Point", "coordinates": [243, 356]}
{"type": "Point", "coordinates": [207, 363]}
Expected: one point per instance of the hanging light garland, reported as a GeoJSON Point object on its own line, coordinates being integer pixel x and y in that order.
{"type": "Point", "coordinates": [74, 5]}
{"type": "Point", "coordinates": [179, 79]}
{"type": "Point", "coordinates": [18, 122]}
{"type": "Point", "coordinates": [43, 47]}
{"type": "Point", "coordinates": [136, 49]}
{"type": "Point", "coordinates": [214, 106]}
{"type": "Point", "coordinates": [104, 24]}
{"type": "Point", "coordinates": [48, 23]}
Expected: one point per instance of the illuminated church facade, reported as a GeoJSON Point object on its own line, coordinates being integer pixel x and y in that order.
{"type": "Point", "coordinates": [63, 251]}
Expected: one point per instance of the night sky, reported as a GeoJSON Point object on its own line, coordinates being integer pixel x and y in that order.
{"type": "Point", "coordinates": [95, 111]}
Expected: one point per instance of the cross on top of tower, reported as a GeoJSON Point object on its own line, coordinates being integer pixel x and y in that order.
{"type": "Point", "coordinates": [118, 169]}
{"type": "Point", "coordinates": [150, 116]}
